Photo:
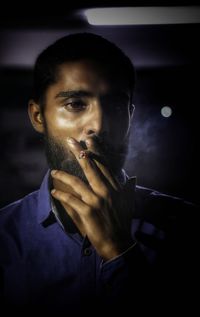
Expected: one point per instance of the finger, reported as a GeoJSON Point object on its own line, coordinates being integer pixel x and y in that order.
{"type": "Point", "coordinates": [74, 216]}
{"type": "Point", "coordinates": [72, 213]}
{"type": "Point", "coordinates": [73, 184]}
{"type": "Point", "coordinates": [96, 179]}
{"type": "Point", "coordinates": [95, 148]}
{"type": "Point", "coordinates": [58, 184]}
{"type": "Point", "coordinates": [71, 201]}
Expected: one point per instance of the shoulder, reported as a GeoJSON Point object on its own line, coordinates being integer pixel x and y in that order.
{"type": "Point", "coordinates": [166, 229]}
{"type": "Point", "coordinates": [16, 223]}
{"type": "Point", "coordinates": [165, 212]}
{"type": "Point", "coordinates": [156, 202]}
{"type": "Point", "coordinates": [17, 211]}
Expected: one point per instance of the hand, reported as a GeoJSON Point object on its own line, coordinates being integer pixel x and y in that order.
{"type": "Point", "coordinates": [102, 210]}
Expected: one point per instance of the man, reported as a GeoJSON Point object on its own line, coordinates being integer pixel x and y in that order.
{"type": "Point", "coordinates": [88, 233]}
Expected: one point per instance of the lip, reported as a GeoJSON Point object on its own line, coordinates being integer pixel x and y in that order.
{"type": "Point", "coordinates": [83, 144]}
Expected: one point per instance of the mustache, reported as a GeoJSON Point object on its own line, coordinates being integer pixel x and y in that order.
{"type": "Point", "coordinates": [60, 157]}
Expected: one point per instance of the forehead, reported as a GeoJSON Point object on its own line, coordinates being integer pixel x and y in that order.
{"type": "Point", "coordinates": [86, 74]}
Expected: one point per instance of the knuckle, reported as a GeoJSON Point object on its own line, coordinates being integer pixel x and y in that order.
{"type": "Point", "coordinates": [67, 198]}
{"type": "Point", "coordinates": [60, 175]}
{"type": "Point", "coordinates": [101, 202]}
{"type": "Point", "coordinates": [74, 180]}
{"type": "Point", "coordinates": [57, 174]}
{"type": "Point", "coordinates": [88, 210]}
{"type": "Point", "coordinates": [98, 202]}
{"type": "Point", "coordinates": [105, 194]}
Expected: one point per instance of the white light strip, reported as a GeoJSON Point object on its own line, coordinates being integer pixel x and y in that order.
{"type": "Point", "coordinates": [143, 15]}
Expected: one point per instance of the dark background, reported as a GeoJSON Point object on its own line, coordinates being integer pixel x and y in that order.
{"type": "Point", "coordinates": [163, 151]}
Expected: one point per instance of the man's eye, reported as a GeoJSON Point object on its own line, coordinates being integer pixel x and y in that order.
{"type": "Point", "coordinates": [75, 106]}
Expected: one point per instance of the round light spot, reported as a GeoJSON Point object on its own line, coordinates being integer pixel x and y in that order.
{"type": "Point", "coordinates": [166, 112]}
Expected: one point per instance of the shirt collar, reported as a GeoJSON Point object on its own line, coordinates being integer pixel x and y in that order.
{"type": "Point", "coordinates": [44, 199]}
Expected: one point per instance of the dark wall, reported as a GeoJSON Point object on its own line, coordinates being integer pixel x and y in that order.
{"type": "Point", "coordinates": [164, 153]}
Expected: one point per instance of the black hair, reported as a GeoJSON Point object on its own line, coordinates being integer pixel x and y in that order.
{"type": "Point", "coordinates": [75, 47]}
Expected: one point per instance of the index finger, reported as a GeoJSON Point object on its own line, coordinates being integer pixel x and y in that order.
{"type": "Point", "coordinates": [97, 181]}
{"type": "Point", "coordinates": [95, 148]}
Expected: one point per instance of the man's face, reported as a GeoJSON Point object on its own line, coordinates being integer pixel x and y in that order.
{"type": "Point", "coordinates": [86, 102]}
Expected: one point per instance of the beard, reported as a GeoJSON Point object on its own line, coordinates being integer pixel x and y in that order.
{"type": "Point", "coordinates": [60, 158]}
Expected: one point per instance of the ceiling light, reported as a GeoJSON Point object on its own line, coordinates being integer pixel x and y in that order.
{"type": "Point", "coordinates": [143, 15]}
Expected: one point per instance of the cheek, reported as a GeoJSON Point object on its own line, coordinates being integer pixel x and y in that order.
{"type": "Point", "coordinates": [59, 125]}
{"type": "Point", "coordinates": [120, 128]}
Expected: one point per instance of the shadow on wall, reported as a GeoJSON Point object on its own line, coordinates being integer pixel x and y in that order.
{"type": "Point", "coordinates": [23, 163]}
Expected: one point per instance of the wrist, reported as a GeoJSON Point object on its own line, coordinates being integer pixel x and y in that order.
{"type": "Point", "coordinates": [114, 250]}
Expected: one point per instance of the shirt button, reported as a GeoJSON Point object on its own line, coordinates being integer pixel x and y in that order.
{"type": "Point", "coordinates": [87, 251]}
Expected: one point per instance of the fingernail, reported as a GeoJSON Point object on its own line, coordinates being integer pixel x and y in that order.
{"type": "Point", "coordinates": [71, 140]}
{"type": "Point", "coordinates": [53, 191]}
{"type": "Point", "coordinates": [53, 172]}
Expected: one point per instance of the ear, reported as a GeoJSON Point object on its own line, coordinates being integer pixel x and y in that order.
{"type": "Point", "coordinates": [131, 110]}
{"type": "Point", "coordinates": [35, 116]}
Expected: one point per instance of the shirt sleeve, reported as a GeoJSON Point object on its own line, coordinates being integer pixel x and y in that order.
{"type": "Point", "coordinates": [124, 276]}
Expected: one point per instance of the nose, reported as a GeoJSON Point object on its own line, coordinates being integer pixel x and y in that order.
{"type": "Point", "coordinates": [97, 121]}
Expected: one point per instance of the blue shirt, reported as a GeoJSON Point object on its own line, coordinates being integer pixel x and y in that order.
{"type": "Point", "coordinates": [42, 265]}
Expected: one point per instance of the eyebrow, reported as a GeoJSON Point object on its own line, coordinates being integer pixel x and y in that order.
{"type": "Point", "coordinates": [73, 94]}
{"type": "Point", "coordinates": [85, 93]}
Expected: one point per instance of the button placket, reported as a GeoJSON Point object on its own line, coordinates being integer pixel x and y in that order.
{"type": "Point", "coordinates": [88, 272]}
